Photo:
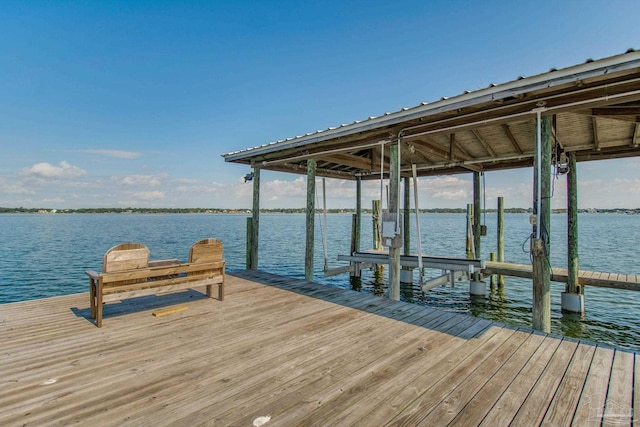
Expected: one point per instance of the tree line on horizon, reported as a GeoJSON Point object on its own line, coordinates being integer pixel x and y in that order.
{"type": "Point", "coordinates": [130, 210]}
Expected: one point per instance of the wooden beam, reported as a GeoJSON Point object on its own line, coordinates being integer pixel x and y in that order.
{"type": "Point", "coordinates": [616, 111]}
{"type": "Point", "coordinates": [512, 138]}
{"type": "Point", "coordinates": [346, 159]}
{"type": "Point", "coordinates": [481, 140]}
{"type": "Point", "coordinates": [596, 139]}
{"type": "Point", "coordinates": [636, 134]}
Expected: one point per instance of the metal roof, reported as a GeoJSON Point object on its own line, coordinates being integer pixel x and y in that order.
{"type": "Point", "coordinates": [596, 108]}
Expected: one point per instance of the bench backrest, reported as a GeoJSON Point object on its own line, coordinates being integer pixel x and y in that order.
{"type": "Point", "coordinates": [126, 256]}
{"type": "Point", "coordinates": [206, 250]}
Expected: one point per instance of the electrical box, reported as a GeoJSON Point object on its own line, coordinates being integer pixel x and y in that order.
{"type": "Point", "coordinates": [483, 230]}
{"type": "Point", "coordinates": [537, 246]}
{"type": "Point", "coordinates": [533, 220]}
{"type": "Point", "coordinates": [392, 231]}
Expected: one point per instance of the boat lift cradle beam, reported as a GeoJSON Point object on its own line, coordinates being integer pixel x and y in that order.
{"type": "Point", "coordinates": [442, 263]}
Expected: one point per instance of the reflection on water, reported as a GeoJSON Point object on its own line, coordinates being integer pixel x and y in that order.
{"type": "Point", "coordinates": [497, 306]}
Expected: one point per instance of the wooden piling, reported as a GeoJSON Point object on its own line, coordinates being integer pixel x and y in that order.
{"type": "Point", "coordinates": [500, 242]}
{"type": "Point", "coordinates": [255, 220]}
{"type": "Point", "coordinates": [492, 278]}
{"type": "Point", "coordinates": [357, 230]}
{"type": "Point", "coordinates": [376, 209]}
{"type": "Point", "coordinates": [310, 223]}
{"type": "Point", "coordinates": [469, 231]}
{"type": "Point", "coordinates": [541, 316]}
{"type": "Point", "coordinates": [572, 228]}
{"type": "Point", "coordinates": [249, 244]}
{"type": "Point", "coordinates": [407, 215]}
{"type": "Point", "coordinates": [476, 213]}
{"type": "Point", "coordinates": [393, 206]}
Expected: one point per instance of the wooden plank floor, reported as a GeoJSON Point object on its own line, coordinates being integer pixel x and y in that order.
{"type": "Point", "coordinates": [300, 354]}
{"type": "Point", "coordinates": [585, 278]}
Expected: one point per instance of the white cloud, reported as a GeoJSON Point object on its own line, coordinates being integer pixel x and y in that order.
{"type": "Point", "coordinates": [186, 181]}
{"type": "Point", "coordinates": [47, 170]}
{"type": "Point", "coordinates": [279, 188]}
{"type": "Point", "coordinates": [10, 188]}
{"type": "Point", "coordinates": [113, 153]}
{"type": "Point", "coordinates": [142, 180]}
{"type": "Point", "coordinates": [149, 195]}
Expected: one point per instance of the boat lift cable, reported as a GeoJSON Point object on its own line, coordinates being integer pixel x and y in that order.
{"type": "Point", "coordinates": [417, 206]}
{"type": "Point", "coordinates": [323, 225]}
{"type": "Point", "coordinates": [325, 228]}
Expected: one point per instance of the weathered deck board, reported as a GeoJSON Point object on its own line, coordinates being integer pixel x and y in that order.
{"type": "Point", "coordinates": [302, 353]}
{"type": "Point", "coordinates": [585, 278]}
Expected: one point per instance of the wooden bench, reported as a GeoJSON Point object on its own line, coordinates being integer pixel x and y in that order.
{"type": "Point", "coordinates": [127, 273]}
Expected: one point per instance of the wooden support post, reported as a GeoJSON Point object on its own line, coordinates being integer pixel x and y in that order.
{"type": "Point", "coordinates": [572, 227]}
{"type": "Point", "coordinates": [393, 207]}
{"type": "Point", "coordinates": [255, 221]}
{"type": "Point", "coordinates": [492, 278]}
{"type": "Point", "coordinates": [500, 242]}
{"type": "Point", "coordinates": [407, 215]}
{"type": "Point", "coordinates": [249, 244]}
{"type": "Point", "coordinates": [406, 275]}
{"type": "Point", "coordinates": [476, 213]}
{"type": "Point", "coordinates": [469, 231]}
{"type": "Point", "coordinates": [572, 298]}
{"type": "Point", "coordinates": [376, 215]}
{"type": "Point", "coordinates": [354, 275]}
{"type": "Point", "coordinates": [357, 230]}
{"type": "Point", "coordinates": [311, 210]}
{"type": "Point", "coordinates": [540, 247]}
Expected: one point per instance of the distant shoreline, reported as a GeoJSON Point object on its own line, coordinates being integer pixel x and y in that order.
{"type": "Point", "coordinates": [47, 211]}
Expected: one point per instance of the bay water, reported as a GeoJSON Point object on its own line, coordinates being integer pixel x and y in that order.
{"type": "Point", "coordinates": [43, 255]}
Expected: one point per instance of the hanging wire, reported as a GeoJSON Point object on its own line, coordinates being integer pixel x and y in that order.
{"type": "Point", "coordinates": [322, 229]}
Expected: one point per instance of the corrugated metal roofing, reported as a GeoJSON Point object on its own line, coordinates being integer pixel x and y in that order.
{"type": "Point", "coordinates": [564, 83]}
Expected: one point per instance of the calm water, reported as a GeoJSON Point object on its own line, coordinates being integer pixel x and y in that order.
{"type": "Point", "coordinates": [46, 255]}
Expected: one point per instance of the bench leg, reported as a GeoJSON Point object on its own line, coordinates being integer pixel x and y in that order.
{"type": "Point", "coordinates": [92, 297]}
{"type": "Point", "coordinates": [209, 291]}
{"type": "Point", "coordinates": [221, 291]}
{"type": "Point", "coordinates": [99, 310]}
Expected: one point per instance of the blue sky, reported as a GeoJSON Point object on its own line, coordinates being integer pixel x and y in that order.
{"type": "Point", "coordinates": [131, 103]}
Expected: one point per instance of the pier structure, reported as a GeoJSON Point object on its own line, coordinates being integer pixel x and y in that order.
{"type": "Point", "coordinates": [338, 357]}
{"type": "Point", "coordinates": [548, 122]}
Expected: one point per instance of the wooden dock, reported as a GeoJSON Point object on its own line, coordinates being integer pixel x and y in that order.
{"type": "Point", "coordinates": [585, 278]}
{"type": "Point", "coordinates": [297, 353]}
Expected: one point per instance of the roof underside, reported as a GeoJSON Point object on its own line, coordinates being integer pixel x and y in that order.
{"type": "Point", "coordinates": [596, 110]}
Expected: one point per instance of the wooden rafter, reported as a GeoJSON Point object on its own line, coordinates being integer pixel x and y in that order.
{"type": "Point", "coordinates": [481, 140]}
{"type": "Point", "coordinates": [512, 138]}
{"type": "Point", "coordinates": [350, 160]}
{"type": "Point", "coordinates": [417, 152]}
{"type": "Point", "coordinates": [443, 154]}
{"type": "Point", "coordinates": [596, 139]}
{"type": "Point", "coordinates": [455, 145]}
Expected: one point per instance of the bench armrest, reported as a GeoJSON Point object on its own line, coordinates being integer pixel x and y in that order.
{"type": "Point", "coordinates": [92, 274]}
